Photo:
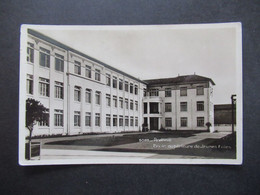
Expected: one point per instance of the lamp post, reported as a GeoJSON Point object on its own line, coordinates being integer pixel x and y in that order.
{"type": "Point", "coordinates": [233, 102]}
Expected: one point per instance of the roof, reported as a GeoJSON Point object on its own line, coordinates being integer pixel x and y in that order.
{"type": "Point", "coordinates": [180, 80]}
{"type": "Point", "coordinates": [63, 46]}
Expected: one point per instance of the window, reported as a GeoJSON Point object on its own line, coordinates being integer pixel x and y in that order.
{"type": "Point", "coordinates": [120, 84]}
{"type": "Point", "coordinates": [168, 107]}
{"type": "Point", "coordinates": [76, 119]}
{"type": "Point", "coordinates": [200, 121]}
{"type": "Point", "coordinates": [126, 86]}
{"type": "Point", "coordinates": [30, 52]}
{"type": "Point", "coordinates": [168, 122]}
{"type": "Point", "coordinates": [115, 101]}
{"type": "Point", "coordinates": [183, 91]}
{"type": "Point", "coordinates": [97, 120]}
{"type": "Point", "coordinates": [45, 121]}
{"type": "Point", "coordinates": [121, 102]}
{"type": "Point", "coordinates": [200, 90]}
{"type": "Point", "coordinates": [121, 121]}
{"type": "Point", "coordinates": [108, 120]}
{"type": "Point", "coordinates": [200, 106]}
{"type": "Point", "coordinates": [108, 100]}
{"type": "Point", "coordinates": [184, 121]}
{"type": "Point", "coordinates": [131, 88]}
{"type": "Point", "coordinates": [114, 120]}
{"type": "Point", "coordinates": [58, 90]}
{"type": "Point", "coordinates": [154, 92]}
{"type": "Point", "coordinates": [77, 67]}
{"type": "Point", "coordinates": [58, 118]}
{"type": "Point", "coordinates": [88, 119]}
{"type": "Point", "coordinates": [97, 75]}
{"type": "Point", "coordinates": [131, 121]}
{"type": "Point", "coordinates": [88, 71]}
{"type": "Point", "coordinates": [44, 86]}
{"type": "Point", "coordinates": [29, 84]}
{"type": "Point", "coordinates": [168, 92]}
{"type": "Point", "coordinates": [126, 103]}
{"type": "Point", "coordinates": [136, 105]}
{"type": "Point", "coordinates": [77, 93]}
{"type": "Point", "coordinates": [108, 79]}
{"type": "Point", "coordinates": [131, 104]}
{"type": "Point", "coordinates": [136, 90]}
{"type": "Point", "coordinates": [114, 82]}
{"type": "Point", "coordinates": [145, 93]}
{"type": "Point", "coordinates": [136, 121]}
{"type": "Point", "coordinates": [59, 62]}
{"type": "Point", "coordinates": [126, 121]}
{"type": "Point", "coordinates": [88, 96]}
{"type": "Point", "coordinates": [44, 57]}
{"type": "Point", "coordinates": [98, 94]}
{"type": "Point", "coordinates": [183, 106]}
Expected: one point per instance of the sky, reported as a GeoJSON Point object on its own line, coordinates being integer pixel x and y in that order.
{"type": "Point", "coordinates": [164, 51]}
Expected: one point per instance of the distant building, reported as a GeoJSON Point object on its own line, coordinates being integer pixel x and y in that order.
{"type": "Point", "coordinates": [223, 117]}
{"type": "Point", "coordinates": [179, 103]}
{"type": "Point", "coordinates": [85, 95]}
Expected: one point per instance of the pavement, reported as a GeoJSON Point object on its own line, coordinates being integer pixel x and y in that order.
{"type": "Point", "coordinates": [144, 148]}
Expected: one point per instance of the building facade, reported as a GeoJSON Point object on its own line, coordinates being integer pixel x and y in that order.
{"type": "Point", "coordinates": [85, 95]}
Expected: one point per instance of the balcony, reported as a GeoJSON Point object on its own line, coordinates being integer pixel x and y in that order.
{"type": "Point", "coordinates": [152, 99]}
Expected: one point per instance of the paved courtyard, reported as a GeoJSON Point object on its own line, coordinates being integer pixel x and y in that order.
{"type": "Point", "coordinates": [140, 145]}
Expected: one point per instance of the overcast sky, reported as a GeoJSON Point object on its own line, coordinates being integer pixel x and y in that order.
{"type": "Point", "coordinates": [152, 52]}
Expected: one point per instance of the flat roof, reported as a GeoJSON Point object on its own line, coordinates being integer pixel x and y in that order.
{"type": "Point", "coordinates": [63, 46]}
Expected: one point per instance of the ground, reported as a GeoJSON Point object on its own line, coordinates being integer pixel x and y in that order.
{"type": "Point", "coordinates": [176, 144]}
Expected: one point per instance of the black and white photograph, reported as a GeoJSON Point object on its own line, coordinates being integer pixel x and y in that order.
{"type": "Point", "coordinates": [140, 94]}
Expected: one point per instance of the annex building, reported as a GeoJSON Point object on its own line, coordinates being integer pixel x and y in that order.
{"type": "Point", "coordinates": [84, 95]}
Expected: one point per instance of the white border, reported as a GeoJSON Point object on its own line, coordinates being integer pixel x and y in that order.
{"type": "Point", "coordinates": [22, 97]}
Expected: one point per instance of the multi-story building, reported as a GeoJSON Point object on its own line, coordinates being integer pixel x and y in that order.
{"type": "Point", "coordinates": [85, 95]}
{"type": "Point", "coordinates": [180, 103]}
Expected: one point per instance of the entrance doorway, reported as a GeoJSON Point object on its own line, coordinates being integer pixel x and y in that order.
{"type": "Point", "coordinates": [154, 123]}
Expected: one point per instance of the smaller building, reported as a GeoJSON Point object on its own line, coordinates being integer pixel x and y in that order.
{"type": "Point", "coordinates": [223, 117]}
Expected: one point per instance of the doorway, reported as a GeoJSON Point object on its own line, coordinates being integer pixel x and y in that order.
{"type": "Point", "coordinates": [154, 123]}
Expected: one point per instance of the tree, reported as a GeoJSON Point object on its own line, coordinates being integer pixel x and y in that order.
{"type": "Point", "coordinates": [35, 112]}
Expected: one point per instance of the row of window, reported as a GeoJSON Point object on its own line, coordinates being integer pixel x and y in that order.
{"type": "Point", "coordinates": [184, 122]}
{"type": "Point", "coordinates": [121, 104]}
{"type": "Point", "coordinates": [168, 91]}
{"type": "Point", "coordinates": [184, 106]}
{"type": "Point", "coordinates": [58, 119]}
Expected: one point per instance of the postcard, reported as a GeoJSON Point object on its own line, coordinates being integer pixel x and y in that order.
{"type": "Point", "coordinates": [138, 94]}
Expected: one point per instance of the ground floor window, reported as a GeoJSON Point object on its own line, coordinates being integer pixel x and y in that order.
{"type": "Point", "coordinates": [97, 119]}
{"type": "Point", "coordinates": [121, 121]}
{"type": "Point", "coordinates": [114, 120]}
{"type": "Point", "coordinates": [184, 121]}
{"type": "Point", "coordinates": [108, 119]}
{"type": "Point", "coordinates": [88, 119]}
{"type": "Point", "coordinates": [136, 121]}
{"type": "Point", "coordinates": [200, 121]}
{"type": "Point", "coordinates": [58, 118]}
{"type": "Point", "coordinates": [126, 121]}
{"type": "Point", "coordinates": [132, 121]}
{"type": "Point", "coordinates": [168, 122]}
{"type": "Point", "coordinates": [76, 118]}
{"type": "Point", "coordinates": [46, 119]}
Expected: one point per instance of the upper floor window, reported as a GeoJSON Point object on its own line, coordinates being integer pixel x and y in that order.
{"type": "Point", "coordinates": [136, 105]}
{"type": "Point", "coordinates": [44, 86]}
{"type": "Point", "coordinates": [108, 100]}
{"type": "Point", "coordinates": [88, 95]}
{"type": "Point", "coordinates": [30, 52]}
{"type": "Point", "coordinates": [131, 104]}
{"type": "Point", "coordinates": [121, 102]}
{"type": "Point", "coordinates": [58, 118]}
{"type": "Point", "coordinates": [200, 90]}
{"type": "Point", "coordinates": [168, 92]}
{"type": "Point", "coordinates": [114, 82]}
{"type": "Point", "coordinates": [131, 88]}
{"type": "Point", "coordinates": [77, 68]}
{"type": "Point", "coordinates": [108, 79]}
{"type": "Point", "coordinates": [200, 106]}
{"type": "Point", "coordinates": [183, 91]}
{"type": "Point", "coordinates": [126, 86]}
{"type": "Point", "coordinates": [120, 84]}
{"type": "Point", "coordinates": [126, 103]}
{"type": "Point", "coordinates": [115, 101]}
{"type": "Point", "coordinates": [97, 75]}
{"type": "Point", "coordinates": [154, 92]}
{"type": "Point", "coordinates": [168, 107]}
{"type": "Point", "coordinates": [145, 93]}
{"type": "Point", "coordinates": [183, 106]}
{"type": "Point", "coordinates": [136, 90]}
{"type": "Point", "coordinates": [59, 62]}
{"type": "Point", "coordinates": [44, 57]}
{"type": "Point", "coordinates": [58, 90]}
{"type": "Point", "coordinates": [29, 84]}
{"type": "Point", "coordinates": [98, 97]}
{"type": "Point", "coordinates": [88, 71]}
{"type": "Point", "coordinates": [77, 93]}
